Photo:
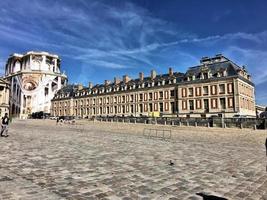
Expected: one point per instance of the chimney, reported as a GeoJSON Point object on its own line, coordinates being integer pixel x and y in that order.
{"type": "Point", "coordinates": [116, 80]}
{"type": "Point", "coordinates": [170, 71]}
{"type": "Point", "coordinates": [107, 82]}
{"type": "Point", "coordinates": [80, 86]}
{"type": "Point", "coordinates": [141, 76]}
{"type": "Point", "coordinates": [153, 74]}
{"type": "Point", "coordinates": [90, 85]}
{"type": "Point", "coordinates": [126, 79]}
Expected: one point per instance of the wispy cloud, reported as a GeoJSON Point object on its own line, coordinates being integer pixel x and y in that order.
{"type": "Point", "coordinates": [123, 37]}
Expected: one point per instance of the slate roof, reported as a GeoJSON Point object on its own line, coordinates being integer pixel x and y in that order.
{"type": "Point", "coordinates": [215, 65]}
{"type": "Point", "coordinates": [214, 68]}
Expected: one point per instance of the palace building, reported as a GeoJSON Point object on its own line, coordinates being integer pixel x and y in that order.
{"type": "Point", "coordinates": [34, 79]}
{"type": "Point", "coordinates": [4, 97]}
{"type": "Point", "coordinates": [217, 86]}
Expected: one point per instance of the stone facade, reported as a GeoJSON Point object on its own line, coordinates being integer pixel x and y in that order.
{"type": "Point", "coordinates": [34, 79]}
{"type": "Point", "coordinates": [4, 97]}
{"type": "Point", "coordinates": [215, 87]}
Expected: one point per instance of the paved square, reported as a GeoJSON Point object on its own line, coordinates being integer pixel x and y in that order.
{"type": "Point", "coordinates": [115, 161]}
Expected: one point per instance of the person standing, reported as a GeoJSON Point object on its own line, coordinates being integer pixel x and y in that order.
{"type": "Point", "coordinates": [5, 121]}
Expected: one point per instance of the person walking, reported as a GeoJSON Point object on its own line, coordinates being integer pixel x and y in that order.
{"type": "Point", "coordinates": [4, 126]}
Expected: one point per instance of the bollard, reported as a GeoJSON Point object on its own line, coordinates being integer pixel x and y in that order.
{"type": "Point", "coordinates": [208, 125]}
{"type": "Point", "coordinates": [165, 123]}
{"type": "Point", "coordinates": [123, 120]}
{"type": "Point", "coordinates": [111, 120]}
{"type": "Point", "coordinates": [241, 125]}
{"type": "Point", "coordinates": [195, 124]}
{"type": "Point", "coordinates": [135, 121]}
{"type": "Point", "coordinates": [180, 123]}
{"type": "Point", "coordinates": [187, 123]}
{"type": "Point", "coordinates": [255, 127]}
{"type": "Point", "coordinates": [172, 123]}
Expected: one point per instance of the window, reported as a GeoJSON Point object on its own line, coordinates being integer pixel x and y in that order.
{"type": "Point", "coordinates": [222, 103]}
{"type": "Point", "coordinates": [131, 98]}
{"type": "Point", "coordinates": [205, 75]}
{"type": "Point", "coordinates": [140, 97]}
{"type": "Point", "coordinates": [123, 100]}
{"type": "Point", "coordinates": [173, 107]}
{"type": "Point", "coordinates": [172, 93]}
{"type": "Point", "coordinates": [160, 95]}
{"type": "Point", "coordinates": [222, 88]}
{"type": "Point", "coordinates": [150, 96]}
{"type": "Point", "coordinates": [206, 105]}
{"type": "Point", "coordinates": [206, 90]}
{"type": "Point", "coordinates": [190, 92]}
{"type": "Point", "coordinates": [191, 104]}
{"type": "Point", "coordinates": [141, 108]}
{"type": "Point", "coordinates": [161, 107]}
{"type": "Point", "coordinates": [46, 91]}
{"type": "Point", "coordinates": [150, 107]}
{"type": "Point", "coordinates": [115, 99]}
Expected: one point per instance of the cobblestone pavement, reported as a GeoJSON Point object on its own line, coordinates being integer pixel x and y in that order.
{"type": "Point", "coordinates": [40, 160]}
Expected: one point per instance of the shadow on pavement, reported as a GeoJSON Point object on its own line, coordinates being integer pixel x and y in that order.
{"type": "Point", "coordinates": [210, 197]}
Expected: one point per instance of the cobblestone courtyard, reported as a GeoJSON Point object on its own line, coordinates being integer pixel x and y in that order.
{"type": "Point", "coordinates": [115, 161]}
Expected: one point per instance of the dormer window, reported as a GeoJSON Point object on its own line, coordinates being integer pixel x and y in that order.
{"type": "Point", "coordinates": [205, 75]}
{"type": "Point", "coordinates": [163, 82]}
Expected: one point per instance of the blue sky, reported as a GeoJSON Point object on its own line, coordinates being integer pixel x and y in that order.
{"type": "Point", "coordinates": [98, 40]}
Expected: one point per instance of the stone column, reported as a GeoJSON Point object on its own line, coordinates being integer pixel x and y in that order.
{"type": "Point", "coordinates": [43, 62]}
{"type": "Point", "coordinates": [55, 64]}
{"type": "Point", "coordinates": [29, 67]}
{"type": "Point", "coordinates": [50, 89]}
{"type": "Point", "coordinates": [59, 83]}
{"type": "Point", "coordinates": [21, 104]}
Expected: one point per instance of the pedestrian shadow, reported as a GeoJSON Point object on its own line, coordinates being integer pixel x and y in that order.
{"type": "Point", "coordinates": [210, 197]}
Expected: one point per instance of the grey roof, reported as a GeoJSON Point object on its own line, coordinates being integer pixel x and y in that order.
{"type": "Point", "coordinates": [215, 65]}
{"type": "Point", "coordinates": [214, 68]}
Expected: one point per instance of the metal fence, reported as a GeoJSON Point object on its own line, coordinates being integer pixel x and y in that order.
{"type": "Point", "coordinates": [157, 133]}
{"type": "Point", "coordinates": [254, 123]}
